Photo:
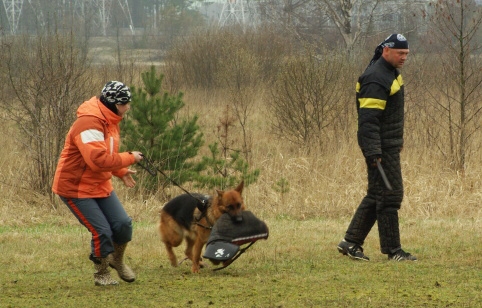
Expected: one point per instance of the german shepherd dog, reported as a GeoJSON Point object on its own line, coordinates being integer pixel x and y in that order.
{"type": "Point", "coordinates": [191, 217]}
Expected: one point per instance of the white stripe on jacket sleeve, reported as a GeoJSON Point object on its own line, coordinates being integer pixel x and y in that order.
{"type": "Point", "coordinates": [91, 135]}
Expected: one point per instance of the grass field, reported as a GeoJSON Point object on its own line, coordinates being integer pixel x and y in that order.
{"type": "Point", "coordinates": [46, 265]}
{"type": "Point", "coordinates": [44, 250]}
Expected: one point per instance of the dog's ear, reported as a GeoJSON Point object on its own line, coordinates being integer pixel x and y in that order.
{"type": "Point", "coordinates": [220, 193]}
{"type": "Point", "coordinates": [240, 187]}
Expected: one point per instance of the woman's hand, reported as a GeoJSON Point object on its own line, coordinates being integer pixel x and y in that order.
{"type": "Point", "coordinates": [128, 179]}
{"type": "Point", "coordinates": [137, 155]}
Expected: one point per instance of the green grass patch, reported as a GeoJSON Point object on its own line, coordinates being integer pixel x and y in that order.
{"type": "Point", "coordinates": [298, 266]}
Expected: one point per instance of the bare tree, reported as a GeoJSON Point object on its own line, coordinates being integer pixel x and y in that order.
{"type": "Point", "coordinates": [344, 22]}
{"type": "Point", "coordinates": [308, 97]}
{"type": "Point", "coordinates": [240, 77]}
{"type": "Point", "coordinates": [455, 87]}
{"type": "Point", "coordinates": [351, 18]}
{"type": "Point", "coordinates": [48, 78]}
{"type": "Point", "coordinates": [299, 19]}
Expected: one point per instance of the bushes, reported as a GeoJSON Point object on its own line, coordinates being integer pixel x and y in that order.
{"type": "Point", "coordinates": [199, 59]}
{"type": "Point", "coordinates": [47, 79]}
{"type": "Point", "coordinates": [309, 92]}
{"type": "Point", "coordinates": [310, 98]}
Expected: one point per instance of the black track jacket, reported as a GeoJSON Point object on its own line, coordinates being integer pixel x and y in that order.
{"type": "Point", "coordinates": [380, 106]}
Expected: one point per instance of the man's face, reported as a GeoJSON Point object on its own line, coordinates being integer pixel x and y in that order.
{"type": "Point", "coordinates": [396, 57]}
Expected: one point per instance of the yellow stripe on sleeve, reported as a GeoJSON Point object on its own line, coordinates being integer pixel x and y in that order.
{"type": "Point", "coordinates": [396, 85]}
{"type": "Point", "coordinates": [372, 103]}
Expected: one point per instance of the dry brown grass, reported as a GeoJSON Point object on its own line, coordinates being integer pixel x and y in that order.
{"type": "Point", "coordinates": [326, 185]}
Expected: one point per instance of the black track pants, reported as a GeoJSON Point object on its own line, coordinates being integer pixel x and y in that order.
{"type": "Point", "coordinates": [380, 205]}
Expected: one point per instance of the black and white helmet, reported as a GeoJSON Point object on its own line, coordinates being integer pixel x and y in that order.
{"type": "Point", "coordinates": [114, 93]}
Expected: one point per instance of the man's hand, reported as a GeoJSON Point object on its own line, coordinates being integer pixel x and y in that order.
{"type": "Point", "coordinates": [372, 160]}
{"type": "Point", "coordinates": [128, 179]}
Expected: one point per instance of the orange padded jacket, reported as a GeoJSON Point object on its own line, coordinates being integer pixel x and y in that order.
{"type": "Point", "coordinates": [90, 155]}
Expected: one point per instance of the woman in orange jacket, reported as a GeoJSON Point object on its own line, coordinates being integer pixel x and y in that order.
{"type": "Point", "coordinates": [83, 179]}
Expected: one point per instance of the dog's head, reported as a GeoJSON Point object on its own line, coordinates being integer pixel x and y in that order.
{"type": "Point", "coordinates": [231, 202]}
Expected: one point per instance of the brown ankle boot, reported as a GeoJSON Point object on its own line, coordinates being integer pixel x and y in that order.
{"type": "Point", "coordinates": [102, 275]}
{"type": "Point", "coordinates": [116, 261]}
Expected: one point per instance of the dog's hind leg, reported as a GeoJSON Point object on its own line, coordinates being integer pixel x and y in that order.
{"type": "Point", "coordinates": [170, 254]}
{"type": "Point", "coordinates": [171, 235]}
{"type": "Point", "coordinates": [172, 239]}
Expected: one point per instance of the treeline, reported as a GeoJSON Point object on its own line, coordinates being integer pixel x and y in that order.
{"type": "Point", "coordinates": [306, 86]}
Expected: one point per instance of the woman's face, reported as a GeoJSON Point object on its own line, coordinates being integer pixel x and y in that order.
{"type": "Point", "coordinates": [123, 108]}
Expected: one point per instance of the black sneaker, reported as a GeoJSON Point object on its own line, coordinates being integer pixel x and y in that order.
{"type": "Point", "coordinates": [352, 250]}
{"type": "Point", "coordinates": [401, 256]}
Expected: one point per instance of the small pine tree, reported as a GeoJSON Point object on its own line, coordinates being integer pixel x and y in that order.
{"type": "Point", "coordinates": [153, 128]}
{"type": "Point", "coordinates": [225, 167]}
{"type": "Point", "coordinates": [172, 144]}
{"type": "Point", "coordinates": [223, 172]}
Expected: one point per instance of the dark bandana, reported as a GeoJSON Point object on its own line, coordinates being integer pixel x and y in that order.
{"type": "Point", "coordinates": [394, 41]}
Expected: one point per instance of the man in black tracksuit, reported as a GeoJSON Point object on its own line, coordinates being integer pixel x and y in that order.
{"type": "Point", "coordinates": [380, 106]}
